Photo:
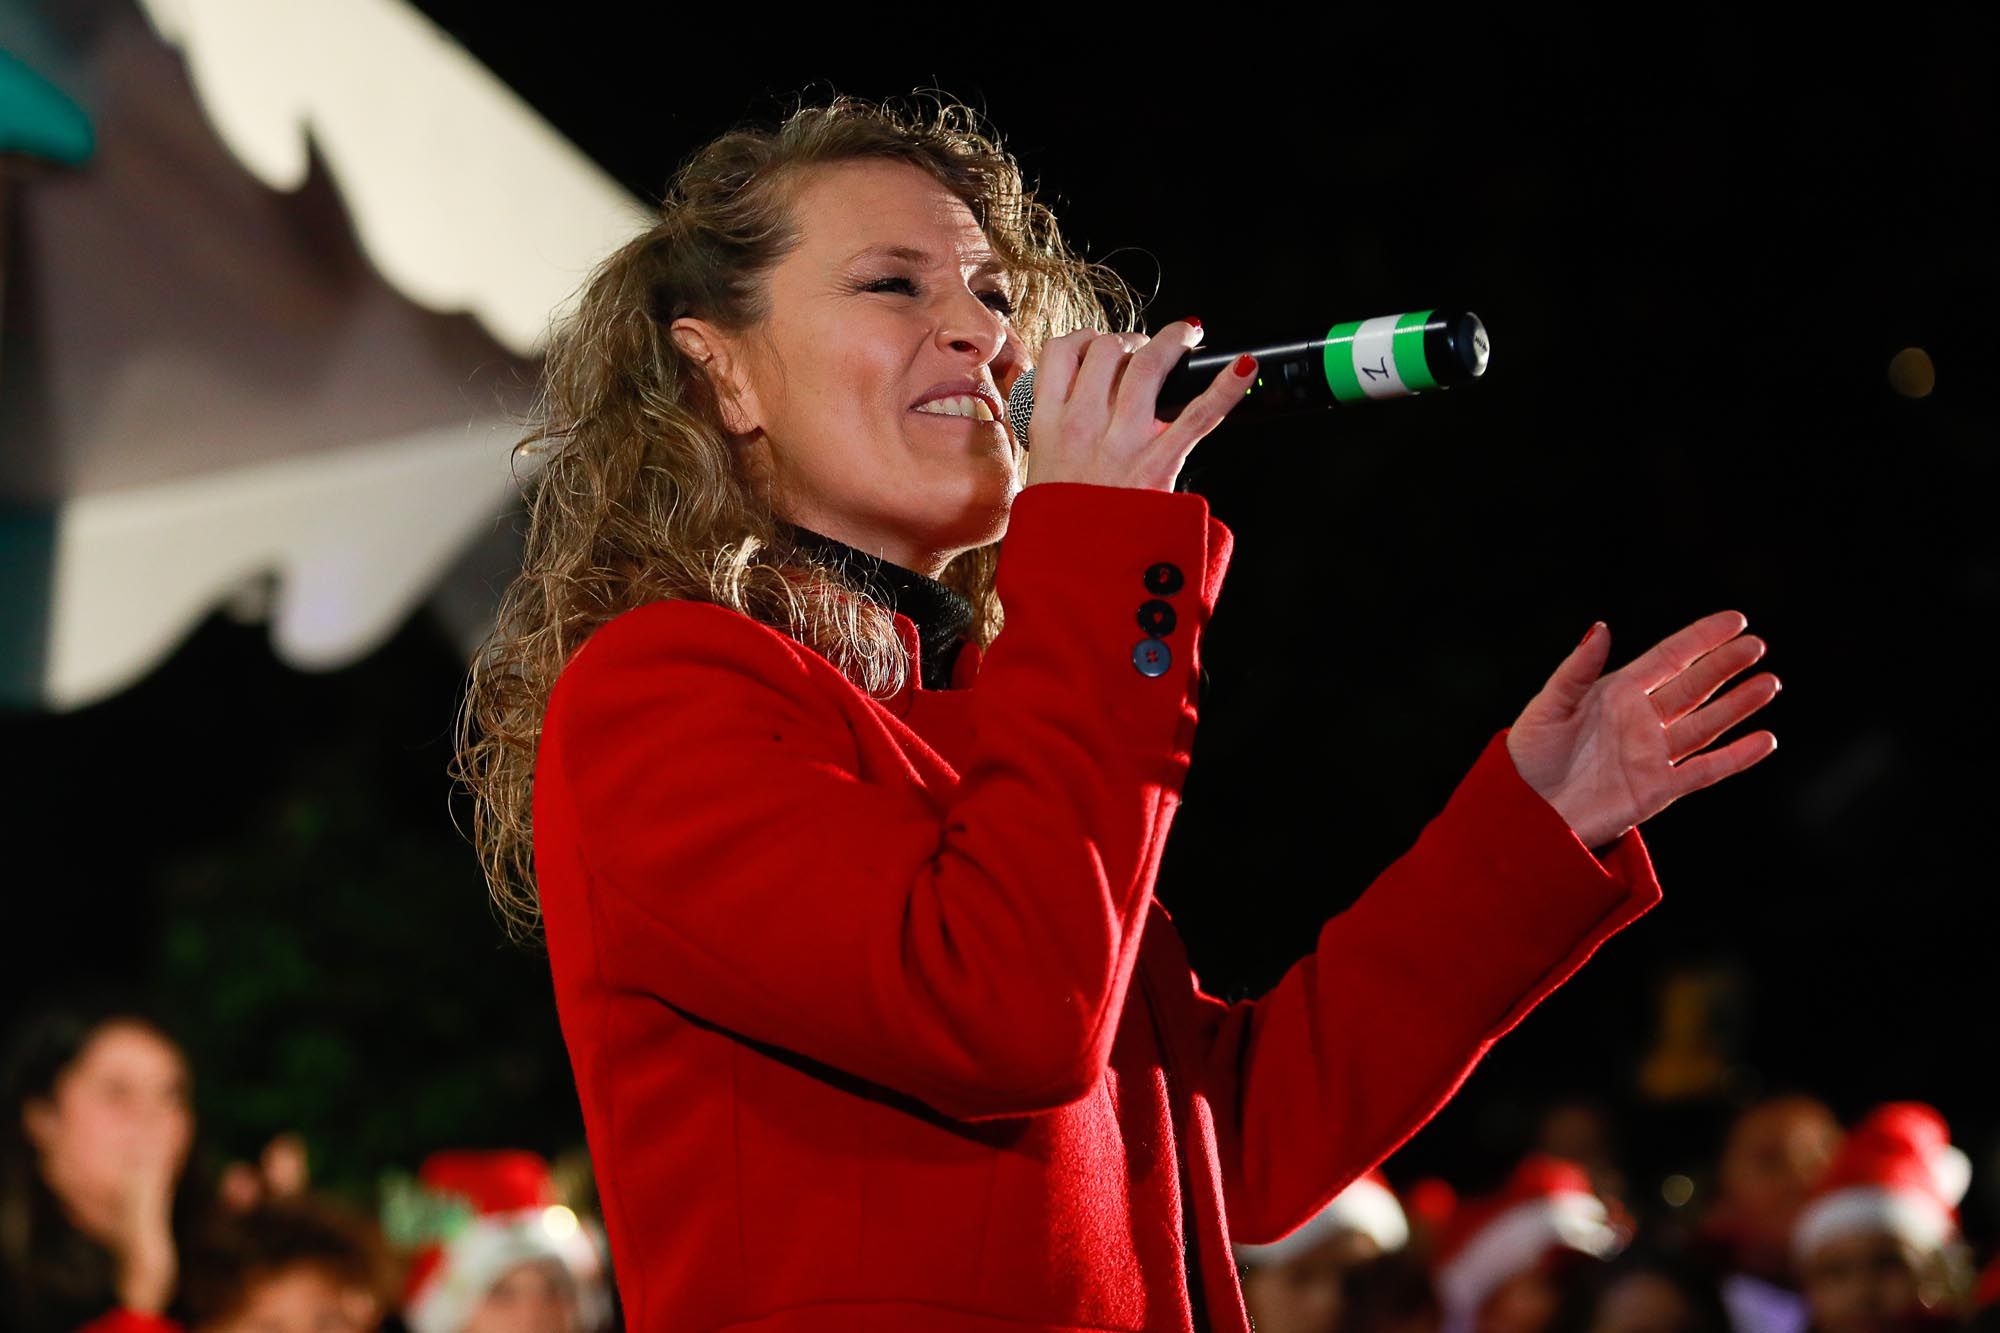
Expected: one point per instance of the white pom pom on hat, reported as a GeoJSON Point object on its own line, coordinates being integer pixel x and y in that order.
{"type": "Point", "coordinates": [1548, 1204]}
{"type": "Point", "coordinates": [1368, 1206]}
{"type": "Point", "coordinates": [1898, 1173]}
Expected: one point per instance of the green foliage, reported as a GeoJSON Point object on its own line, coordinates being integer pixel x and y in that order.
{"type": "Point", "coordinates": [335, 971]}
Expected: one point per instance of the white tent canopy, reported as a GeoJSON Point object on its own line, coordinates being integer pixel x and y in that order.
{"type": "Point", "coordinates": [271, 344]}
{"type": "Point", "coordinates": [463, 196]}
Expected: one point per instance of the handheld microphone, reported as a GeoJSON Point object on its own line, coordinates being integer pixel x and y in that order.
{"type": "Point", "coordinates": [1390, 357]}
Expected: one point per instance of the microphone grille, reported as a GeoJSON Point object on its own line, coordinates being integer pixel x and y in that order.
{"type": "Point", "coordinates": [1021, 406]}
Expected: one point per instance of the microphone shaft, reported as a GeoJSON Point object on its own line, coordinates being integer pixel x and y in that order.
{"type": "Point", "coordinates": [1390, 357]}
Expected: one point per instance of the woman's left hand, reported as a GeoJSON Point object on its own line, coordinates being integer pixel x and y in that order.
{"type": "Point", "coordinates": [1610, 752]}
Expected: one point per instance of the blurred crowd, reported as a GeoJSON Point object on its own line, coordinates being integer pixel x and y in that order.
{"type": "Point", "coordinates": [104, 1227]}
{"type": "Point", "coordinates": [1812, 1227]}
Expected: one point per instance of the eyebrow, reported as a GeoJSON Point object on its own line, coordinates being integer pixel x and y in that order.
{"type": "Point", "coordinates": [991, 264]}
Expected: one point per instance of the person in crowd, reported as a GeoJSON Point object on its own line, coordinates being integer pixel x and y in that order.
{"type": "Point", "coordinates": [1392, 1293]}
{"type": "Point", "coordinates": [1580, 1129]}
{"type": "Point", "coordinates": [847, 892]}
{"type": "Point", "coordinates": [1294, 1285]}
{"type": "Point", "coordinates": [1643, 1290]}
{"type": "Point", "coordinates": [1775, 1152]}
{"type": "Point", "coordinates": [515, 1259]}
{"type": "Point", "coordinates": [1986, 1299]}
{"type": "Point", "coordinates": [94, 1192]}
{"type": "Point", "coordinates": [1877, 1246]}
{"type": "Point", "coordinates": [1503, 1262]}
{"type": "Point", "coordinates": [290, 1265]}
{"type": "Point", "coordinates": [1430, 1202]}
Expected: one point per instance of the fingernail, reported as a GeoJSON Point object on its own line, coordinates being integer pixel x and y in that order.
{"type": "Point", "coordinates": [1192, 322]}
{"type": "Point", "coordinates": [1589, 633]}
{"type": "Point", "coordinates": [1245, 366]}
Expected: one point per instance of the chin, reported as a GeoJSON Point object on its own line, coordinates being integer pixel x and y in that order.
{"type": "Point", "coordinates": [987, 512]}
{"type": "Point", "coordinates": [977, 511]}
{"type": "Point", "coordinates": [967, 528]}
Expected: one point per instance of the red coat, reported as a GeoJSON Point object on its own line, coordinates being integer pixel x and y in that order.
{"type": "Point", "coordinates": [121, 1320]}
{"type": "Point", "coordinates": [875, 1020]}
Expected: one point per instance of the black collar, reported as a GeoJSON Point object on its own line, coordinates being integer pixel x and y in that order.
{"type": "Point", "coordinates": [942, 615]}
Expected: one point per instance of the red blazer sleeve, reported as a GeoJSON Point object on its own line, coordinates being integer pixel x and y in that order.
{"type": "Point", "coordinates": [969, 946]}
{"type": "Point", "coordinates": [1364, 1039]}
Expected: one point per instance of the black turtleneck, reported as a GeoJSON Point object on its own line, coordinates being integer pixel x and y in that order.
{"type": "Point", "coordinates": [942, 615]}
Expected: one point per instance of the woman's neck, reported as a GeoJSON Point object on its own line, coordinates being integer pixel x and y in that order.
{"type": "Point", "coordinates": [889, 547]}
{"type": "Point", "coordinates": [941, 613]}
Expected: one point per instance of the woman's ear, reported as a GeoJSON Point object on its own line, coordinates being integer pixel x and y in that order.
{"type": "Point", "coordinates": [719, 358]}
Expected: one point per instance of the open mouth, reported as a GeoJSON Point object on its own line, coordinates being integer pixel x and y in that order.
{"type": "Point", "coordinates": [957, 405]}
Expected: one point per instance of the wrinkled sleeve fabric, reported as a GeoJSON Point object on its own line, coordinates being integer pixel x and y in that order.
{"type": "Point", "coordinates": [1364, 1039]}
{"type": "Point", "coordinates": [969, 947]}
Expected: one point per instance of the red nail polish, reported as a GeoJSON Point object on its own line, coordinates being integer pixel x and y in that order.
{"type": "Point", "coordinates": [1245, 366]}
{"type": "Point", "coordinates": [1192, 322]}
{"type": "Point", "coordinates": [1587, 635]}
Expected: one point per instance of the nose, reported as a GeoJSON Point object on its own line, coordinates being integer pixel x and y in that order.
{"type": "Point", "coordinates": [968, 324]}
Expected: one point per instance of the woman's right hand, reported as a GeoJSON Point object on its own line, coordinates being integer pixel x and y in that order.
{"type": "Point", "coordinates": [1094, 398]}
{"type": "Point", "coordinates": [148, 1264]}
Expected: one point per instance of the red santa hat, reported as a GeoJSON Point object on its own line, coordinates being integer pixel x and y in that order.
{"type": "Point", "coordinates": [1897, 1173]}
{"type": "Point", "coordinates": [1547, 1205]}
{"type": "Point", "coordinates": [510, 1215]}
{"type": "Point", "coordinates": [1368, 1206]}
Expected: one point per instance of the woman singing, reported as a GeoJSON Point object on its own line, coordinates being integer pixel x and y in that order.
{"type": "Point", "coordinates": [848, 894]}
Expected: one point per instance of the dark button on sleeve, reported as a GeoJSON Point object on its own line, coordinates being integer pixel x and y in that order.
{"type": "Point", "coordinates": [1152, 657]}
{"type": "Point", "coordinates": [1165, 579]}
{"type": "Point", "coordinates": [1157, 618]}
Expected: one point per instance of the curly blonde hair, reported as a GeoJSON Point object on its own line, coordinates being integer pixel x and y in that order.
{"type": "Point", "coordinates": [635, 494]}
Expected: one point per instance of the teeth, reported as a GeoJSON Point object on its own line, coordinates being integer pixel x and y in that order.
{"type": "Point", "coordinates": [959, 405]}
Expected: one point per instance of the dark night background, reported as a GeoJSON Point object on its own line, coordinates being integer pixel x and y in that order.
{"type": "Point", "coordinates": [1696, 259]}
